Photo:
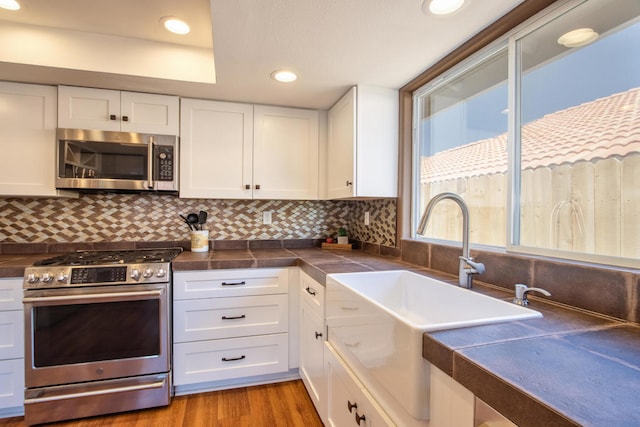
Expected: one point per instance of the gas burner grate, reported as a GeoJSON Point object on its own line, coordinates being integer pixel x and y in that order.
{"type": "Point", "coordinates": [133, 256]}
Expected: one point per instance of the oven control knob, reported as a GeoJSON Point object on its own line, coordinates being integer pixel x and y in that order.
{"type": "Point", "coordinates": [33, 278]}
{"type": "Point", "coordinates": [161, 272]}
{"type": "Point", "coordinates": [47, 277]}
{"type": "Point", "coordinates": [135, 274]}
{"type": "Point", "coordinates": [147, 272]}
{"type": "Point", "coordinates": [62, 277]}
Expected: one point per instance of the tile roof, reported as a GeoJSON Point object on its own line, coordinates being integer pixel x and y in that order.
{"type": "Point", "coordinates": [599, 129]}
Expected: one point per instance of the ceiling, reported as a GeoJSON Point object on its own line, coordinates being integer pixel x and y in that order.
{"type": "Point", "coordinates": [331, 44]}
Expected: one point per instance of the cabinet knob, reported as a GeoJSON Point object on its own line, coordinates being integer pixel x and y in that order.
{"type": "Point", "coordinates": [125, 118]}
{"type": "Point", "coordinates": [349, 183]}
{"type": "Point", "coordinates": [351, 406]}
{"type": "Point", "coordinates": [360, 418]}
{"type": "Point", "coordinates": [318, 335]}
{"type": "Point", "coordinates": [112, 117]}
{"type": "Point", "coordinates": [247, 187]}
{"type": "Point", "coordinates": [257, 186]}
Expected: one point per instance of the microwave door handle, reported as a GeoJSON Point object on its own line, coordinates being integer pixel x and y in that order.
{"type": "Point", "coordinates": [150, 171]}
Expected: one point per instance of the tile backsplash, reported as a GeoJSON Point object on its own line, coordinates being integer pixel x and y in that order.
{"type": "Point", "coordinates": [150, 217]}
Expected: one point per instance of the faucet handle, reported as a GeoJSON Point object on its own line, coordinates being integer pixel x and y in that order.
{"type": "Point", "coordinates": [521, 293]}
{"type": "Point", "coordinates": [476, 267]}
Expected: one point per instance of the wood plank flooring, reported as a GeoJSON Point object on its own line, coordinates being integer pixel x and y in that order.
{"type": "Point", "coordinates": [285, 404]}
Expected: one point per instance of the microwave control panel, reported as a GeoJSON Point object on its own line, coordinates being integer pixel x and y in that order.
{"type": "Point", "coordinates": [164, 163]}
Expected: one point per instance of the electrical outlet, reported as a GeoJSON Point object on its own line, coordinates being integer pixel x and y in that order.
{"type": "Point", "coordinates": [366, 218]}
{"type": "Point", "coordinates": [266, 217]}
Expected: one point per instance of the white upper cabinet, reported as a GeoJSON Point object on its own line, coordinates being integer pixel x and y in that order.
{"type": "Point", "coordinates": [285, 153]}
{"type": "Point", "coordinates": [238, 151]}
{"type": "Point", "coordinates": [28, 140]}
{"type": "Point", "coordinates": [112, 110]}
{"type": "Point", "coordinates": [362, 148]}
{"type": "Point", "coordinates": [216, 141]}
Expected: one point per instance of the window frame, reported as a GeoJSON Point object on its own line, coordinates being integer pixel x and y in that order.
{"type": "Point", "coordinates": [508, 40]}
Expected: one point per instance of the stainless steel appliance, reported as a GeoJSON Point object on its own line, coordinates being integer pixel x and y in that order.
{"type": "Point", "coordinates": [102, 160]}
{"type": "Point", "coordinates": [97, 333]}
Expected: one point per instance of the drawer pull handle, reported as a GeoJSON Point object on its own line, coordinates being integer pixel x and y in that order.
{"type": "Point", "coordinates": [351, 406]}
{"type": "Point", "coordinates": [318, 335]}
{"type": "Point", "coordinates": [360, 418]}
{"type": "Point", "coordinates": [310, 291]}
{"type": "Point", "coordinates": [231, 359]}
{"type": "Point", "coordinates": [233, 283]}
{"type": "Point", "coordinates": [348, 308]}
{"type": "Point", "coordinates": [242, 316]}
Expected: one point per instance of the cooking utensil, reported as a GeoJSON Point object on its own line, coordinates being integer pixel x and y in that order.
{"type": "Point", "coordinates": [186, 221]}
{"type": "Point", "coordinates": [202, 218]}
{"type": "Point", "coordinates": [192, 218]}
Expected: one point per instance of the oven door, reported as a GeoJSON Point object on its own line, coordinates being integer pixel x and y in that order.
{"type": "Point", "coordinates": [95, 333]}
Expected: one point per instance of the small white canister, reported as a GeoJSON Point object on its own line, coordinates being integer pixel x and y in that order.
{"type": "Point", "coordinates": [200, 241]}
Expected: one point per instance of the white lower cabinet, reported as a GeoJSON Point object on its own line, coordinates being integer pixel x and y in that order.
{"type": "Point", "coordinates": [349, 403]}
{"type": "Point", "coordinates": [230, 326]}
{"type": "Point", "coordinates": [312, 337]}
{"type": "Point", "coordinates": [216, 360]}
{"type": "Point", "coordinates": [11, 348]}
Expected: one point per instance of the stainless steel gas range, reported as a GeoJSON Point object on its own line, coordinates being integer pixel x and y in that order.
{"type": "Point", "coordinates": [97, 333]}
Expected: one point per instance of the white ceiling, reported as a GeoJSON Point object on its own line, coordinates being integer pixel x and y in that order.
{"type": "Point", "coordinates": [331, 44]}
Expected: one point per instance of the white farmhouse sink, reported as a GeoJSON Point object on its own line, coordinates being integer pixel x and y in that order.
{"type": "Point", "coordinates": [376, 321]}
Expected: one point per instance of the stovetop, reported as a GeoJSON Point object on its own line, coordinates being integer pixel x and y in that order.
{"type": "Point", "coordinates": [132, 256]}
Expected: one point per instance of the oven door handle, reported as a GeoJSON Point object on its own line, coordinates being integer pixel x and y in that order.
{"type": "Point", "coordinates": [107, 296]}
{"type": "Point", "coordinates": [156, 384]}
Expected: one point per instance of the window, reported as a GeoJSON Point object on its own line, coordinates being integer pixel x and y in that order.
{"type": "Point", "coordinates": [462, 148]}
{"type": "Point", "coordinates": [573, 169]}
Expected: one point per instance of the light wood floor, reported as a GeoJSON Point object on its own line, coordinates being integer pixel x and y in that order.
{"type": "Point", "coordinates": [281, 404]}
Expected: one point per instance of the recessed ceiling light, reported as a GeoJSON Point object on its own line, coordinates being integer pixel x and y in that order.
{"type": "Point", "coordinates": [284, 76]}
{"type": "Point", "coordinates": [175, 25]}
{"type": "Point", "coordinates": [9, 4]}
{"type": "Point", "coordinates": [443, 7]}
{"type": "Point", "coordinates": [577, 38]}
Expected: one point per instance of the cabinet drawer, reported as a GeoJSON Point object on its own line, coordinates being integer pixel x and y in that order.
{"type": "Point", "coordinates": [213, 318]}
{"type": "Point", "coordinates": [229, 283]}
{"type": "Point", "coordinates": [11, 383]}
{"type": "Point", "coordinates": [312, 293]}
{"type": "Point", "coordinates": [10, 294]}
{"type": "Point", "coordinates": [215, 360]}
{"type": "Point", "coordinates": [11, 334]}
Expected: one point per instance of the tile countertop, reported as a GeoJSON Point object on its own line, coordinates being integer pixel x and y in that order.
{"type": "Point", "coordinates": [568, 368]}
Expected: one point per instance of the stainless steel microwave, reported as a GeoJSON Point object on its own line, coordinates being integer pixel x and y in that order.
{"type": "Point", "coordinates": [116, 161]}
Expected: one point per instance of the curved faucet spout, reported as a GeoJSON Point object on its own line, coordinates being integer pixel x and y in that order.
{"type": "Point", "coordinates": [467, 267]}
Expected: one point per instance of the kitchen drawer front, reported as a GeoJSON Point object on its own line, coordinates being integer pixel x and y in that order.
{"type": "Point", "coordinates": [10, 294]}
{"type": "Point", "coordinates": [214, 318]}
{"type": "Point", "coordinates": [312, 293]}
{"type": "Point", "coordinates": [11, 383]}
{"type": "Point", "coordinates": [11, 334]}
{"type": "Point", "coordinates": [229, 283]}
{"type": "Point", "coordinates": [216, 360]}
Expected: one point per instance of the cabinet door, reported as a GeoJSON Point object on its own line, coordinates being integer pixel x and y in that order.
{"type": "Point", "coordinates": [11, 294]}
{"type": "Point", "coordinates": [214, 318]}
{"type": "Point", "coordinates": [216, 149]}
{"type": "Point", "coordinates": [285, 153]}
{"type": "Point", "coordinates": [149, 113]}
{"type": "Point", "coordinates": [312, 335]}
{"type": "Point", "coordinates": [216, 360]}
{"type": "Point", "coordinates": [28, 140]}
{"type": "Point", "coordinates": [349, 404]}
{"type": "Point", "coordinates": [11, 383]}
{"type": "Point", "coordinates": [341, 147]}
{"type": "Point", "coordinates": [87, 108]}
{"type": "Point", "coordinates": [11, 334]}
{"type": "Point", "coordinates": [199, 284]}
